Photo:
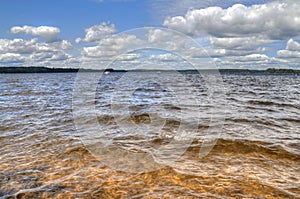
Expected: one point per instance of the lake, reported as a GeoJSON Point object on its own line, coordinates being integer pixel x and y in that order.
{"type": "Point", "coordinates": [144, 135]}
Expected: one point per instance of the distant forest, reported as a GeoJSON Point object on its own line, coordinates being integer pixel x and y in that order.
{"type": "Point", "coordinates": [73, 70]}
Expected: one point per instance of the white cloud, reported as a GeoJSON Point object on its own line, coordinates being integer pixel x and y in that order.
{"type": "Point", "coordinates": [111, 46]}
{"type": "Point", "coordinates": [288, 54]}
{"type": "Point", "coordinates": [240, 35]}
{"type": "Point", "coordinates": [169, 40]}
{"type": "Point", "coordinates": [108, 49]}
{"type": "Point", "coordinates": [238, 43]}
{"type": "Point", "coordinates": [252, 58]}
{"type": "Point", "coordinates": [49, 33]}
{"type": "Point", "coordinates": [32, 52]}
{"type": "Point", "coordinates": [62, 45]}
{"type": "Point", "coordinates": [18, 46]}
{"type": "Point", "coordinates": [119, 42]}
{"type": "Point", "coordinates": [253, 61]}
{"type": "Point", "coordinates": [129, 57]}
{"type": "Point", "coordinates": [11, 58]}
{"type": "Point", "coordinates": [292, 45]}
{"type": "Point", "coordinates": [97, 51]}
{"type": "Point", "coordinates": [163, 8]}
{"type": "Point", "coordinates": [97, 32]}
{"type": "Point", "coordinates": [50, 56]}
{"type": "Point", "coordinates": [219, 52]}
{"type": "Point", "coordinates": [275, 20]}
{"type": "Point", "coordinates": [157, 35]}
{"type": "Point", "coordinates": [167, 57]}
{"type": "Point", "coordinates": [30, 46]}
{"type": "Point", "coordinates": [292, 50]}
{"type": "Point", "coordinates": [107, 46]}
{"type": "Point", "coordinates": [216, 47]}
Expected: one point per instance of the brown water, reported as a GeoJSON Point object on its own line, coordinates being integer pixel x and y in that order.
{"type": "Point", "coordinates": [257, 154]}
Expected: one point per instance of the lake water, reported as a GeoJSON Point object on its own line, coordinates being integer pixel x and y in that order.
{"type": "Point", "coordinates": [43, 154]}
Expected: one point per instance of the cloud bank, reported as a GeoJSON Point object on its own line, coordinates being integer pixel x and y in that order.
{"type": "Point", "coordinates": [242, 34]}
{"type": "Point", "coordinates": [97, 32]}
{"type": "Point", "coordinates": [276, 20]}
{"type": "Point", "coordinates": [49, 33]}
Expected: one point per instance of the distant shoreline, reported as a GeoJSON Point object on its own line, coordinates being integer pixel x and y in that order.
{"type": "Point", "coordinates": [74, 70]}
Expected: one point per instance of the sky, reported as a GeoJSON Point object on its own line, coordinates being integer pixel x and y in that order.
{"type": "Point", "coordinates": [253, 34]}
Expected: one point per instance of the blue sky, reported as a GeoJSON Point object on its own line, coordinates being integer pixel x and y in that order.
{"type": "Point", "coordinates": [72, 17]}
{"type": "Point", "coordinates": [65, 33]}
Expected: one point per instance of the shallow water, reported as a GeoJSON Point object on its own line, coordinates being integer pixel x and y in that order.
{"type": "Point", "coordinates": [257, 153]}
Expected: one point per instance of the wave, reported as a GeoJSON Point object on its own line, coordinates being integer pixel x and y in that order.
{"type": "Point", "coordinates": [255, 148]}
{"type": "Point", "coordinates": [272, 103]}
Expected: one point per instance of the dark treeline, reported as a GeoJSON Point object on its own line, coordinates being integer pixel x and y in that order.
{"type": "Point", "coordinates": [36, 70]}
{"type": "Point", "coordinates": [268, 71]}
{"type": "Point", "coordinates": [72, 70]}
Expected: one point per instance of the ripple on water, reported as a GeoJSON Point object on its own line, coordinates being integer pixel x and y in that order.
{"type": "Point", "coordinates": [257, 156]}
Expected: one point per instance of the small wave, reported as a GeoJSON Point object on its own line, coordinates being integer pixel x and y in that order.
{"type": "Point", "coordinates": [272, 103]}
{"type": "Point", "coordinates": [255, 148]}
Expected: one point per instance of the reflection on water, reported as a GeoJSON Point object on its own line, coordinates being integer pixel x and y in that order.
{"type": "Point", "coordinates": [257, 155]}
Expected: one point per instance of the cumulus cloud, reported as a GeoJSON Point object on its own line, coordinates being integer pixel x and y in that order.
{"type": "Point", "coordinates": [274, 20]}
{"type": "Point", "coordinates": [11, 58]}
{"type": "Point", "coordinates": [169, 40]}
{"type": "Point", "coordinates": [49, 33]}
{"type": "Point", "coordinates": [219, 52]}
{"type": "Point", "coordinates": [238, 43]}
{"type": "Point", "coordinates": [252, 58]}
{"type": "Point", "coordinates": [240, 35]}
{"type": "Point", "coordinates": [22, 46]}
{"type": "Point", "coordinates": [158, 35]}
{"type": "Point", "coordinates": [111, 46]}
{"type": "Point", "coordinates": [288, 54]}
{"type": "Point", "coordinates": [253, 61]}
{"type": "Point", "coordinates": [215, 47]}
{"type": "Point", "coordinates": [129, 57]}
{"type": "Point", "coordinates": [50, 56]}
{"type": "Point", "coordinates": [167, 57]}
{"type": "Point", "coordinates": [292, 45]}
{"type": "Point", "coordinates": [33, 52]}
{"type": "Point", "coordinates": [164, 8]}
{"type": "Point", "coordinates": [18, 46]}
{"type": "Point", "coordinates": [292, 50]}
{"type": "Point", "coordinates": [98, 32]}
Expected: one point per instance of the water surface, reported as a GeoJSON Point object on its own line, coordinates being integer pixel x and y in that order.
{"type": "Point", "coordinates": [257, 154]}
